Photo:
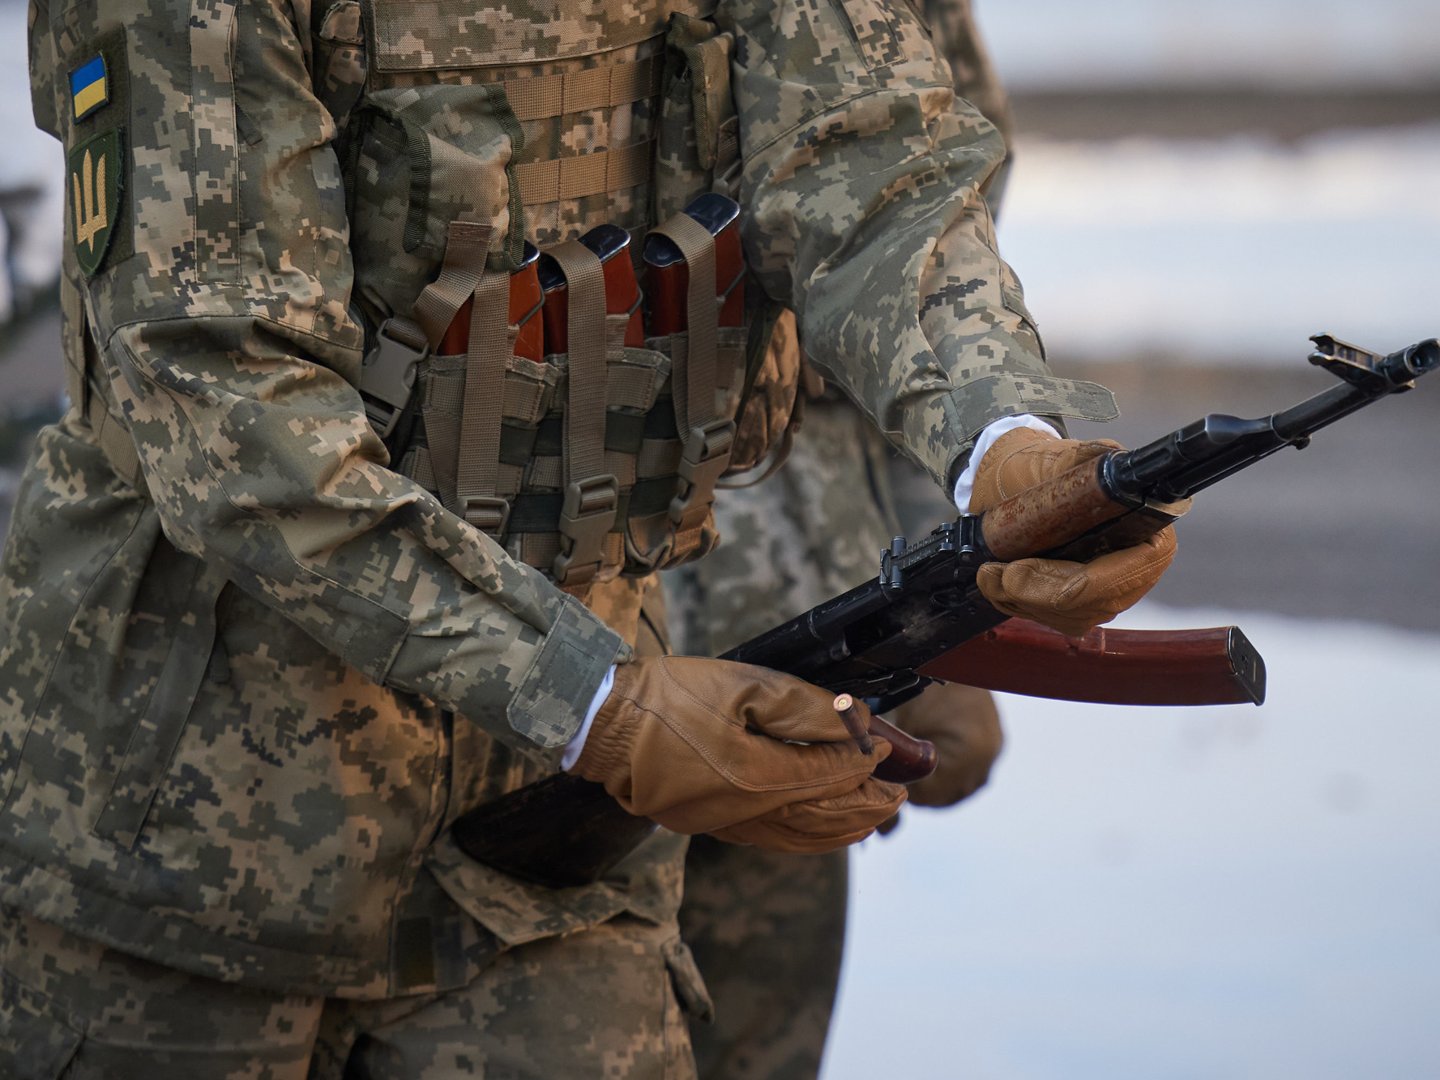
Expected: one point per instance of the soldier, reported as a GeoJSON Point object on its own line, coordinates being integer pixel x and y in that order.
{"type": "Point", "coordinates": [767, 929]}
{"type": "Point", "coordinates": [293, 587]}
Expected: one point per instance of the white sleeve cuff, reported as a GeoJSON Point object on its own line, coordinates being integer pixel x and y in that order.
{"type": "Point", "coordinates": [577, 744]}
{"type": "Point", "coordinates": [965, 482]}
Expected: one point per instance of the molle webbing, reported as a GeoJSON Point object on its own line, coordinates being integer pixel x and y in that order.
{"type": "Point", "coordinates": [542, 97]}
{"type": "Point", "coordinates": [596, 173]}
{"type": "Point", "coordinates": [404, 36]}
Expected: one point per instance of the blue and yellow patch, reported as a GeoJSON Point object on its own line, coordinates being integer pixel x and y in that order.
{"type": "Point", "coordinates": [89, 87]}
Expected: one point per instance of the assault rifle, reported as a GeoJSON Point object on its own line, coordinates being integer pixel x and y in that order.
{"type": "Point", "coordinates": [884, 640]}
{"type": "Point", "coordinates": [923, 618]}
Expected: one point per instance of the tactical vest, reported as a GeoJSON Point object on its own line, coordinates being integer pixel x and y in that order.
{"type": "Point", "coordinates": [468, 127]}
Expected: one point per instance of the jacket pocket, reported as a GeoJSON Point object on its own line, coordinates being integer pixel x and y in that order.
{"type": "Point", "coordinates": [177, 673]}
{"type": "Point", "coordinates": [73, 559]}
{"type": "Point", "coordinates": [698, 138]}
{"type": "Point", "coordinates": [424, 157]}
{"type": "Point", "coordinates": [38, 1039]}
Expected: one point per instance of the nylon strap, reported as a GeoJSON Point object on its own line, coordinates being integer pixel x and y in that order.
{"type": "Point", "coordinates": [591, 495]}
{"type": "Point", "coordinates": [579, 175]}
{"type": "Point", "coordinates": [486, 355]}
{"type": "Point", "coordinates": [706, 439]}
{"type": "Point", "coordinates": [467, 243]}
{"type": "Point", "coordinates": [693, 378]}
{"type": "Point", "coordinates": [585, 395]}
{"type": "Point", "coordinates": [545, 97]}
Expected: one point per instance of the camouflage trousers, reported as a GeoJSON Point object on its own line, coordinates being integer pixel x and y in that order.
{"type": "Point", "coordinates": [599, 1003]}
{"type": "Point", "coordinates": [767, 930]}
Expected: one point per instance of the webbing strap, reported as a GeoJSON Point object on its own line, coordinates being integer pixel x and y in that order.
{"type": "Point", "coordinates": [707, 439]}
{"type": "Point", "coordinates": [585, 393]}
{"type": "Point", "coordinates": [579, 175]}
{"type": "Point", "coordinates": [485, 359]}
{"type": "Point", "coordinates": [693, 378]}
{"type": "Point", "coordinates": [544, 97]}
{"type": "Point", "coordinates": [475, 448]}
{"type": "Point", "coordinates": [591, 494]}
{"type": "Point", "coordinates": [467, 243]}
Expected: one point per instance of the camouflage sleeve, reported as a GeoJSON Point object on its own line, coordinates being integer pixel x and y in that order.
{"type": "Point", "coordinates": [862, 178]}
{"type": "Point", "coordinates": [957, 38]}
{"type": "Point", "coordinates": [219, 299]}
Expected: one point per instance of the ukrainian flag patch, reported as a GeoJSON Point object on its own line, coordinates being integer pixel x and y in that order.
{"type": "Point", "coordinates": [89, 87]}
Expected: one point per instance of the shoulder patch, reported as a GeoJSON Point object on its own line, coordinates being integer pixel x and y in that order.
{"type": "Point", "coordinates": [95, 178]}
{"type": "Point", "coordinates": [89, 87]}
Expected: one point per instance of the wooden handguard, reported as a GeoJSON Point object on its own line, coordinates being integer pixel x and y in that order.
{"type": "Point", "coordinates": [1052, 518]}
{"type": "Point", "coordinates": [1216, 666]}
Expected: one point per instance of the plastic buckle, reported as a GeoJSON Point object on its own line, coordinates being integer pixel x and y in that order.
{"type": "Point", "coordinates": [387, 378]}
{"type": "Point", "coordinates": [486, 513]}
{"type": "Point", "coordinates": [586, 517]}
{"type": "Point", "coordinates": [703, 462]}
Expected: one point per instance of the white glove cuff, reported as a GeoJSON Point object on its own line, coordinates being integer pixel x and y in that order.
{"type": "Point", "coordinates": [965, 482]}
{"type": "Point", "coordinates": [577, 744]}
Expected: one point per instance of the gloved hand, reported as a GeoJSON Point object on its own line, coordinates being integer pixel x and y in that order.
{"type": "Point", "coordinates": [964, 725]}
{"type": "Point", "coordinates": [1069, 596]}
{"type": "Point", "coordinates": [711, 746]}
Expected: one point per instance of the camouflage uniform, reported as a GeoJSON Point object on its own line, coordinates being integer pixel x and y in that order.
{"type": "Point", "coordinates": [768, 929]}
{"type": "Point", "coordinates": [250, 672]}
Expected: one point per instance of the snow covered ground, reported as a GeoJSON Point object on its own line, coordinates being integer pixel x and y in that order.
{"type": "Point", "coordinates": [1165, 893]}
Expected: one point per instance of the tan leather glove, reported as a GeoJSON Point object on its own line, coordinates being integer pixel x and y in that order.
{"type": "Point", "coordinates": [1069, 596]}
{"type": "Point", "coordinates": [964, 725]}
{"type": "Point", "coordinates": [744, 753]}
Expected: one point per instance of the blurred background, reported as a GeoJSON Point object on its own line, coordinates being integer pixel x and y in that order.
{"type": "Point", "coordinates": [1147, 893]}
{"type": "Point", "coordinates": [1220, 892]}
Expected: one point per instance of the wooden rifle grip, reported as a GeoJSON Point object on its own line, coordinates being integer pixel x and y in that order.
{"type": "Point", "coordinates": [910, 759]}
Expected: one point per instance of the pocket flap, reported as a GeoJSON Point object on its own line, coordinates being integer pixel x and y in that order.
{"type": "Point", "coordinates": [470, 34]}
{"type": "Point", "coordinates": [36, 1037]}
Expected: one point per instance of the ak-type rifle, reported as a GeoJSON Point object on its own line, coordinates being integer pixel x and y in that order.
{"type": "Point", "coordinates": [923, 617]}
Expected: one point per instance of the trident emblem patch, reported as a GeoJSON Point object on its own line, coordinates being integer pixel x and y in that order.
{"type": "Point", "coordinates": [95, 171]}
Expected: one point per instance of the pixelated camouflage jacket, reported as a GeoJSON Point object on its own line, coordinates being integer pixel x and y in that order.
{"type": "Point", "coordinates": [267, 808]}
